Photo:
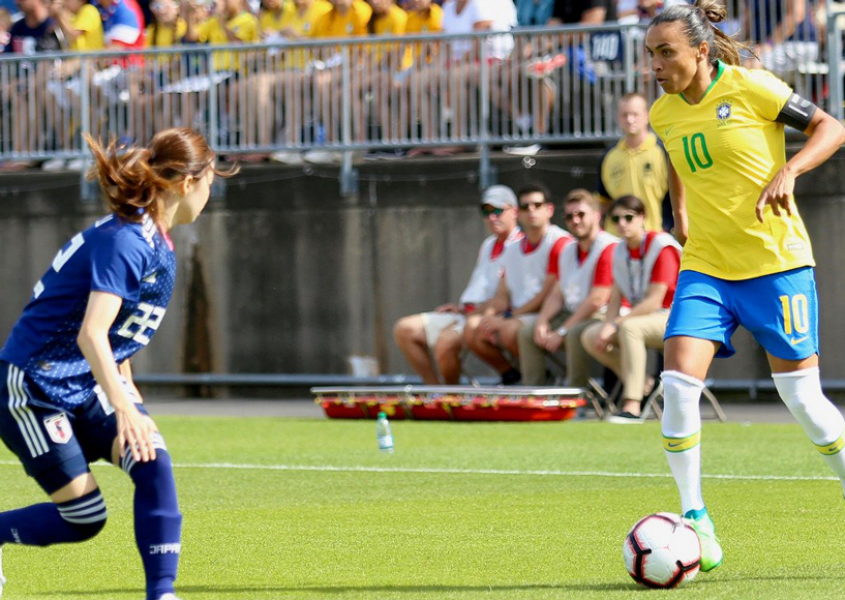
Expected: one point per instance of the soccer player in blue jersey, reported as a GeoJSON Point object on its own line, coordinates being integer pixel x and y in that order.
{"type": "Point", "coordinates": [66, 392]}
{"type": "Point", "coordinates": [748, 259]}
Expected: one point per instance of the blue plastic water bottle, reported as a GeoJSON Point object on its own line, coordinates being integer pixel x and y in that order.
{"type": "Point", "coordinates": [384, 437]}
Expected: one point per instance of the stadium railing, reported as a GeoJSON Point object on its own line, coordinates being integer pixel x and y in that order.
{"type": "Point", "coordinates": [545, 85]}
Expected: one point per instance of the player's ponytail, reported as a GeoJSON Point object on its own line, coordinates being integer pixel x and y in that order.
{"type": "Point", "coordinates": [699, 25]}
{"type": "Point", "coordinates": [135, 180]}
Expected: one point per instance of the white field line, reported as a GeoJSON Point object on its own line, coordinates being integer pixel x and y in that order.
{"type": "Point", "coordinates": [354, 469]}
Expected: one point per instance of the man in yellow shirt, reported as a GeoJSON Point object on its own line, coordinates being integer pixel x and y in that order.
{"type": "Point", "coordinates": [636, 166]}
{"type": "Point", "coordinates": [347, 18]}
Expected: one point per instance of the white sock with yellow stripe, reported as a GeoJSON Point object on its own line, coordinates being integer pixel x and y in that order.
{"type": "Point", "coordinates": [682, 435]}
{"type": "Point", "coordinates": [802, 393]}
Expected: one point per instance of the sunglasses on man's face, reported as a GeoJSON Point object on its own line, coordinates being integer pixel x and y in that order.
{"type": "Point", "coordinates": [619, 218]}
{"type": "Point", "coordinates": [486, 212]}
{"type": "Point", "coordinates": [574, 215]}
{"type": "Point", "coordinates": [531, 206]}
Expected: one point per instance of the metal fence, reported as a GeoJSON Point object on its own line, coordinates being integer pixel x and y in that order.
{"type": "Point", "coordinates": [558, 85]}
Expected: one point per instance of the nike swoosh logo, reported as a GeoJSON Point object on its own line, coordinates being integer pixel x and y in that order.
{"type": "Point", "coordinates": [668, 130]}
{"type": "Point", "coordinates": [671, 445]}
{"type": "Point", "coordinates": [794, 342]}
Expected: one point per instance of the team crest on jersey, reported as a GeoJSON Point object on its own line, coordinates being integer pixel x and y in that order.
{"type": "Point", "coordinates": [723, 112]}
{"type": "Point", "coordinates": [58, 428]}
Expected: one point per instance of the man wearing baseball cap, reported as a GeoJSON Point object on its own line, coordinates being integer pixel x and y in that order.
{"type": "Point", "coordinates": [432, 341]}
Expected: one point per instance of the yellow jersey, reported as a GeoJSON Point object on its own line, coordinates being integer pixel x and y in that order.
{"type": "Point", "coordinates": [161, 36]}
{"type": "Point", "coordinates": [642, 172]}
{"type": "Point", "coordinates": [392, 23]}
{"type": "Point", "coordinates": [90, 23]}
{"type": "Point", "coordinates": [289, 18]}
{"type": "Point", "coordinates": [243, 25]}
{"type": "Point", "coordinates": [726, 149]}
{"type": "Point", "coordinates": [424, 21]}
{"type": "Point", "coordinates": [333, 24]}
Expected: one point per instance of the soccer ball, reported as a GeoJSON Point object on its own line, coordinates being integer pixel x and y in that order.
{"type": "Point", "coordinates": [662, 551]}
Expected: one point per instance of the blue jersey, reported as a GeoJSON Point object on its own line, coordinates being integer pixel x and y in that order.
{"type": "Point", "coordinates": [131, 260]}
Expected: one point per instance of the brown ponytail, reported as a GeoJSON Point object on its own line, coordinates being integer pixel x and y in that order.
{"type": "Point", "coordinates": [135, 180]}
{"type": "Point", "coordinates": [699, 25]}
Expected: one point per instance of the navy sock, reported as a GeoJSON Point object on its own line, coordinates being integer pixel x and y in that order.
{"type": "Point", "coordinates": [158, 522]}
{"type": "Point", "coordinates": [48, 523]}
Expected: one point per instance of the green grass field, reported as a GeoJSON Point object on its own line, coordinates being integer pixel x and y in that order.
{"type": "Point", "coordinates": [302, 508]}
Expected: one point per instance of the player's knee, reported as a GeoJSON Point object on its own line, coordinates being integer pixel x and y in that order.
{"type": "Point", "coordinates": [680, 388]}
{"type": "Point", "coordinates": [404, 330]}
{"type": "Point", "coordinates": [86, 515]}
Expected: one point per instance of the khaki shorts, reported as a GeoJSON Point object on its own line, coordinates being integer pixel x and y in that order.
{"type": "Point", "coordinates": [436, 323]}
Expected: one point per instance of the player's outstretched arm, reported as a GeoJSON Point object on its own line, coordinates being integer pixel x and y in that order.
{"type": "Point", "coordinates": [93, 339]}
{"type": "Point", "coordinates": [825, 136]}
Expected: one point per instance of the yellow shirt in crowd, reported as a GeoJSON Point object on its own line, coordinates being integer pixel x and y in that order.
{"type": "Point", "coordinates": [289, 18]}
{"type": "Point", "coordinates": [243, 25]}
{"type": "Point", "coordinates": [89, 22]}
{"type": "Point", "coordinates": [726, 149]}
{"type": "Point", "coordinates": [162, 36]}
{"type": "Point", "coordinates": [392, 23]}
{"type": "Point", "coordinates": [424, 21]}
{"type": "Point", "coordinates": [333, 24]}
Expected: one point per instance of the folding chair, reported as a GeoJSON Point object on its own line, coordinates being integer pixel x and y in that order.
{"type": "Point", "coordinates": [653, 402]}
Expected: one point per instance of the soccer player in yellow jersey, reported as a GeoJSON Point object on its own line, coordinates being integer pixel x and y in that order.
{"type": "Point", "coordinates": [747, 259]}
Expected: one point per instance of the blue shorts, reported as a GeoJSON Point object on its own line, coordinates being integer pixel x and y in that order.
{"type": "Point", "coordinates": [55, 445]}
{"type": "Point", "coordinates": [781, 311]}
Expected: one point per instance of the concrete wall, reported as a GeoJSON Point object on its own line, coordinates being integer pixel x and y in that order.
{"type": "Point", "coordinates": [288, 277]}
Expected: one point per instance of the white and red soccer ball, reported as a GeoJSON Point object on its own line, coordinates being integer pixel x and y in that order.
{"type": "Point", "coordinates": [662, 551]}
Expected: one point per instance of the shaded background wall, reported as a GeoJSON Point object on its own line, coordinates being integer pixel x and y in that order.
{"type": "Point", "coordinates": [282, 275]}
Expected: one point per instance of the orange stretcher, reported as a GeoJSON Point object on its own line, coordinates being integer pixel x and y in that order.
{"type": "Point", "coordinates": [452, 403]}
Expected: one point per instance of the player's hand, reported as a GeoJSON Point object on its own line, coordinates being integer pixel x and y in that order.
{"type": "Point", "coordinates": [553, 342]}
{"type": "Point", "coordinates": [778, 194]}
{"type": "Point", "coordinates": [448, 308]}
{"type": "Point", "coordinates": [135, 431]}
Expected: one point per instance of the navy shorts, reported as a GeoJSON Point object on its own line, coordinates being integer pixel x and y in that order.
{"type": "Point", "coordinates": [54, 444]}
{"type": "Point", "coordinates": [781, 311]}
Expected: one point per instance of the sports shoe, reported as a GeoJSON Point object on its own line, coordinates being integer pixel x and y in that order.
{"type": "Point", "coordinates": [711, 550]}
{"type": "Point", "coordinates": [2, 579]}
{"type": "Point", "coordinates": [625, 418]}
{"type": "Point", "coordinates": [168, 596]}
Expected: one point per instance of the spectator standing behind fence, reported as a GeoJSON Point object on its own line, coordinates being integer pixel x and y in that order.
{"type": "Point", "coordinates": [418, 85]}
{"type": "Point", "coordinates": [528, 277]}
{"type": "Point", "coordinates": [123, 23]}
{"type": "Point", "coordinates": [167, 27]}
{"type": "Point", "coordinates": [437, 337]}
{"type": "Point", "coordinates": [584, 278]}
{"type": "Point", "coordinates": [637, 166]}
{"type": "Point", "coordinates": [291, 88]}
{"type": "Point", "coordinates": [387, 61]}
{"type": "Point", "coordinates": [35, 32]}
{"type": "Point", "coordinates": [645, 274]}
{"type": "Point", "coordinates": [80, 23]}
{"type": "Point", "coordinates": [783, 34]}
{"type": "Point", "coordinates": [347, 18]}
{"type": "Point", "coordinates": [82, 30]}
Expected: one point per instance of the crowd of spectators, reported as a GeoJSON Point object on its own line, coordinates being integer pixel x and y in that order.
{"type": "Point", "coordinates": [260, 112]}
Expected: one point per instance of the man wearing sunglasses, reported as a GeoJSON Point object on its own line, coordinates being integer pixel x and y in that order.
{"type": "Point", "coordinates": [525, 283]}
{"type": "Point", "coordinates": [585, 278]}
{"type": "Point", "coordinates": [433, 341]}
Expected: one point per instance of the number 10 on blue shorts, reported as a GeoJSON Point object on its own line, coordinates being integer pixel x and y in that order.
{"type": "Point", "coordinates": [780, 310]}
